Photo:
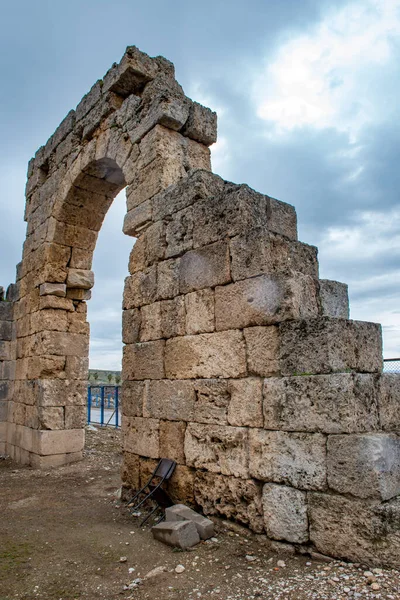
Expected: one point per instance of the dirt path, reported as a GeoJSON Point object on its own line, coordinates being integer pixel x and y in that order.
{"type": "Point", "coordinates": [62, 534]}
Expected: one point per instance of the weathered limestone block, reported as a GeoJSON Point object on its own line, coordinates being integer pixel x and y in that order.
{"type": "Point", "coordinates": [172, 400]}
{"type": "Point", "coordinates": [131, 74]}
{"type": "Point", "coordinates": [181, 485]}
{"type": "Point", "coordinates": [56, 303]}
{"type": "Point", "coordinates": [258, 251]}
{"type": "Point", "coordinates": [54, 392]}
{"type": "Point", "coordinates": [327, 345]}
{"type": "Point", "coordinates": [180, 512]}
{"type": "Point", "coordinates": [142, 437]}
{"type": "Point", "coordinates": [138, 219]}
{"type": "Point", "coordinates": [54, 460]}
{"type": "Point", "coordinates": [132, 398]}
{"type": "Point", "coordinates": [211, 401]}
{"type": "Point", "coordinates": [51, 417]}
{"type": "Point", "coordinates": [201, 124]}
{"type": "Point", "coordinates": [218, 449]}
{"type": "Point", "coordinates": [335, 403]}
{"type": "Point", "coordinates": [296, 459]}
{"type": "Point", "coordinates": [140, 288]}
{"type": "Point", "coordinates": [199, 308]}
{"type": "Point", "coordinates": [334, 299]}
{"type": "Point", "coordinates": [80, 279]}
{"type": "Point", "coordinates": [264, 300]}
{"type": "Point", "coordinates": [389, 401]}
{"type": "Point", "coordinates": [168, 279]}
{"type": "Point", "coordinates": [234, 498]}
{"type": "Point", "coordinates": [179, 233]}
{"type": "Point", "coordinates": [206, 355]}
{"type": "Point", "coordinates": [285, 513]}
{"type": "Point", "coordinates": [137, 256]}
{"type": "Point", "coordinates": [198, 185]}
{"type": "Point", "coordinates": [60, 343]}
{"type": "Point", "coordinates": [365, 465]}
{"type": "Point", "coordinates": [356, 530]}
{"type": "Point", "coordinates": [130, 472]}
{"type": "Point", "coordinates": [48, 366]}
{"type": "Point", "coordinates": [79, 294]}
{"type": "Point", "coordinates": [173, 317]}
{"type": "Point", "coordinates": [150, 322]}
{"type": "Point", "coordinates": [81, 259]}
{"type": "Point", "coordinates": [77, 367]}
{"type": "Point", "coordinates": [245, 407]}
{"type": "Point", "coordinates": [144, 360]}
{"type": "Point", "coordinates": [75, 417]}
{"type": "Point", "coordinates": [53, 289]}
{"type": "Point", "coordinates": [6, 330]}
{"type": "Point", "coordinates": [48, 442]}
{"type": "Point", "coordinates": [282, 218]}
{"type": "Point", "coordinates": [49, 320]}
{"type": "Point", "coordinates": [262, 345]}
{"type": "Point", "coordinates": [6, 311]}
{"type": "Point", "coordinates": [204, 268]}
{"type": "Point", "coordinates": [181, 534]}
{"type": "Point", "coordinates": [131, 321]}
{"type": "Point", "coordinates": [172, 438]}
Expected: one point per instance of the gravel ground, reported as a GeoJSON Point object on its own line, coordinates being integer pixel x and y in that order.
{"type": "Point", "coordinates": [64, 535]}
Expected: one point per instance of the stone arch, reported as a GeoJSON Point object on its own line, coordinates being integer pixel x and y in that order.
{"type": "Point", "coordinates": [239, 362]}
{"type": "Point", "coordinates": [134, 129]}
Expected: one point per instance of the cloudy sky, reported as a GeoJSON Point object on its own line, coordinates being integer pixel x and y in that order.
{"type": "Point", "coordinates": [307, 97]}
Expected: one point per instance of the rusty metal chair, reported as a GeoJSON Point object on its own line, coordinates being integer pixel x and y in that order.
{"type": "Point", "coordinates": [153, 490]}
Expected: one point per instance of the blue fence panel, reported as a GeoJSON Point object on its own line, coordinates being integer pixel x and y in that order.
{"type": "Point", "coordinates": [103, 406]}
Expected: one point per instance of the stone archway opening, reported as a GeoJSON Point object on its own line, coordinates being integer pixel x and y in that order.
{"type": "Point", "coordinates": [239, 362]}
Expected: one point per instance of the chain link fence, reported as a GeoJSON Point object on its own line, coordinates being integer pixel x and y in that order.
{"type": "Point", "coordinates": [391, 365]}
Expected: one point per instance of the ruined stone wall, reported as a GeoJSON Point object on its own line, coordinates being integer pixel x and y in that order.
{"type": "Point", "coordinates": [239, 362]}
{"type": "Point", "coordinates": [241, 365]}
{"type": "Point", "coordinates": [134, 129]}
{"type": "Point", "coordinates": [7, 360]}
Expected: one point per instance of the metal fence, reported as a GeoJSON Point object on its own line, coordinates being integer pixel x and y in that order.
{"type": "Point", "coordinates": [103, 406]}
{"type": "Point", "coordinates": [391, 365]}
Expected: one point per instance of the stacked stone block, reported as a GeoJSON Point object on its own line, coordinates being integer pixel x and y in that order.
{"type": "Point", "coordinates": [241, 365]}
{"type": "Point", "coordinates": [7, 362]}
{"type": "Point", "coordinates": [239, 362]}
{"type": "Point", "coordinates": [135, 129]}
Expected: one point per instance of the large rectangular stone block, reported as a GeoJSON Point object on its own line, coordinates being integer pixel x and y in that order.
{"type": "Point", "coordinates": [181, 534]}
{"type": "Point", "coordinates": [205, 267]}
{"type": "Point", "coordinates": [335, 403]}
{"type": "Point", "coordinates": [285, 513]}
{"type": "Point", "coordinates": [172, 400]}
{"type": "Point", "coordinates": [365, 466]}
{"type": "Point", "coordinates": [59, 343]}
{"type": "Point", "coordinates": [180, 512]}
{"type": "Point", "coordinates": [140, 288]}
{"type": "Point", "coordinates": [6, 310]}
{"type": "Point", "coordinates": [68, 441]}
{"type": "Point", "coordinates": [211, 401]}
{"type": "Point", "coordinates": [262, 350]}
{"type": "Point", "coordinates": [295, 459]}
{"type": "Point", "coordinates": [218, 449]}
{"type": "Point", "coordinates": [142, 437]}
{"type": "Point", "coordinates": [389, 401]}
{"type": "Point", "coordinates": [168, 278]}
{"type": "Point", "coordinates": [54, 460]}
{"type": "Point", "coordinates": [131, 321]}
{"type": "Point", "coordinates": [55, 392]}
{"type": "Point", "coordinates": [132, 398]}
{"type": "Point", "coordinates": [334, 299]}
{"type": "Point", "coordinates": [245, 407]}
{"type": "Point", "coordinates": [326, 345]}
{"type": "Point", "coordinates": [357, 530]}
{"type": "Point", "coordinates": [6, 330]}
{"type": "Point", "coordinates": [230, 497]}
{"type": "Point", "coordinates": [179, 233]}
{"type": "Point", "coordinates": [265, 300]}
{"type": "Point", "coordinates": [206, 355]}
{"type": "Point", "coordinates": [199, 307]}
{"type": "Point", "coordinates": [143, 360]}
{"type": "Point", "coordinates": [258, 251]}
{"type": "Point", "coordinates": [51, 417]}
{"type": "Point", "coordinates": [172, 439]}
{"type": "Point", "coordinates": [198, 185]}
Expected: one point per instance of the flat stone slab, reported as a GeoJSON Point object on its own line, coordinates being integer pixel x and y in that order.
{"type": "Point", "coordinates": [180, 512]}
{"type": "Point", "coordinates": [181, 534]}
